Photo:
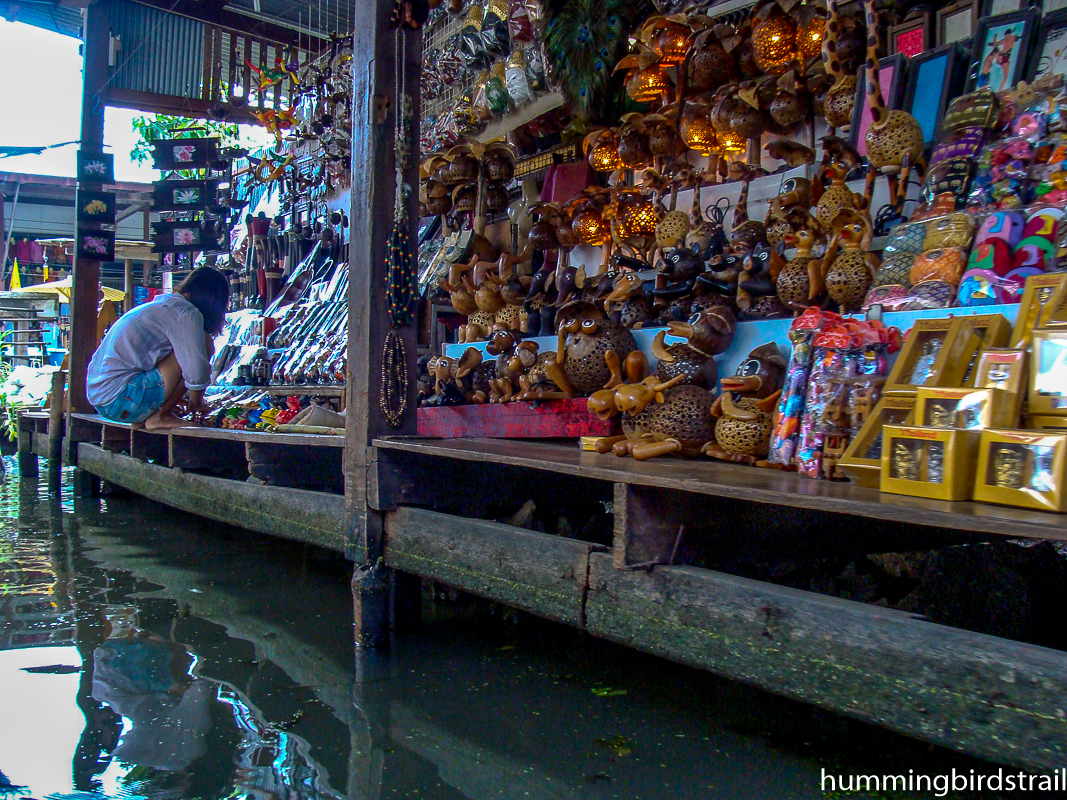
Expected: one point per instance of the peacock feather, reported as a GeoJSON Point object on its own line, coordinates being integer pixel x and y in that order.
{"type": "Point", "coordinates": [583, 40]}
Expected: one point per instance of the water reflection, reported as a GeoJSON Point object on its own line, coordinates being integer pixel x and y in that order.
{"type": "Point", "coordinates": [148, 654]}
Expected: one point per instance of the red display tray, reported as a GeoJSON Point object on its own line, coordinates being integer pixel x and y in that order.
{"type": "Point", "coordinates": [523, 420]}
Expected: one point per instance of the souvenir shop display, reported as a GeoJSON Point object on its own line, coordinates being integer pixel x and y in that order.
{"type": "Point", "coordinates": [937, 463]}
{"type": "Point", "coordinates": [1022, 468]}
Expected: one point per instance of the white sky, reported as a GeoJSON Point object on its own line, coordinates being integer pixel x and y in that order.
{"type": "Point", "coordinates": [41, 101]}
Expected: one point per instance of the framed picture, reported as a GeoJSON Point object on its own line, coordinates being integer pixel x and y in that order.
{"type": "Point", "coordinates": [933, 78]}
{"type": "Point", "coordinates": [891, 77]}
{"type": "Point", "coordinates": [1048, 6]}
{"type": "Point", "coordinates": [1001, 48]}
{"type": "Point", "coordinates": [192, 195]}
{"type": "Point", "coordinates": [96, 167]}
{"type": "Point", "coordinates": [199, 153]}
{"type": "Point", "coordinates": [96, 207]}
{"type": "Point", "coordinates": [957, 21]}
{"type": "Point", "coordinates": [96, 245]}
{"type": "Point", "coordinates": [1050, 47]}
{"type": "Point", "coordinates": [913, 36]}
{"type": "Point", "coordinates": [187, 237]}
{"type": "Point", "coordinates": [993, 8]}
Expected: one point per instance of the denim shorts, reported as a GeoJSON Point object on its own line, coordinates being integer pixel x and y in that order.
{"type": "Point", "coordinates": [143, 394]}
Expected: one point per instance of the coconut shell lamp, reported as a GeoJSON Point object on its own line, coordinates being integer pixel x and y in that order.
{"type": "Point", "coordinates": [602, 150]}
{"type": "Point", "coordinates": [639, 216]}
{"type": "Point", "coordinates": [774, 42]}
{"type": "Point", "coordinates": [697, 131]}
{"type": "Point", "coordinates": [810, 35]}
{"type": "Point", "coordinates": [647, 78]}
{"type": "Point", "coordinates": [634, 150]}
{"type": "Point", "coordinates": [589, 225]}
{"type": "Point", "coordinates": [668, 38]}
{"type": "Point", "coordinates": [710, 63]}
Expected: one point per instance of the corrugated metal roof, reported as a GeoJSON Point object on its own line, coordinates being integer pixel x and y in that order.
{"type": "Point", "coordinates": [50, 16]}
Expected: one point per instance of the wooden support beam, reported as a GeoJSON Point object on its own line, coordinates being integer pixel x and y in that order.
{"type": "Point", "coordinates": [312, 517]}
{"type": "Point", "coordinates": [539, 573]}
{"type": "Point", "coordinates": [115, 439]}
{"type": "Point", "coordinates": [647, 522]}
{"type": "Point", "coordinates": [146, 446]}
{"type": "Point", "coordinates": [55, 418]}
{"type": "Point", "coordinates": [318, 468]}
{"type": "Point", "coordinates": [982, 695]}
{"type": "Point", "coordinates": [27, 458]}
{"type": "Point", "coordinates": [87, 271]}
{"type": "Point", "coordinates": [206, 454]}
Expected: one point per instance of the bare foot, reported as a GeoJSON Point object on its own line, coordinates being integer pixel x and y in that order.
{"type": "Point", "coordinates": [160, 421]}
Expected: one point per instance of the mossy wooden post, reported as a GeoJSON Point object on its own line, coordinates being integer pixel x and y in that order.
{"type": "Point", "coordinates": [374, 52]}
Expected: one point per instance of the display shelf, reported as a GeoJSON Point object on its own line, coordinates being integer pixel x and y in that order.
{"type": "Point", "coordinates": [328, 390]}
{"type": "Point", "coordinates": [774, 487]}
{"type": "Point", "coordinates": [753, 333]}
{"type": "Point", "coordinates": [223, 434]}
{"type": "Point", "coordinates": [520, 116]}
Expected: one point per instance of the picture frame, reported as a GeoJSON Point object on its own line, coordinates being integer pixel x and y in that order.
{"type": "Point", "coordinates": [892, 71]}
{"type": "Point", "coordinates": [185, 154]}
{"type": "Point", "coordinates": [993, 8]}
{"type": "Point", "coordinates": [913, 36]}
{"type": "Point", "coordinates": [1001, 48]}
{"type": "Point", "coordinates": [95, 207]}
{"type": "Point", "coordinates": [186, 195]}
{"type": "Point", "coordinates": [187, 237]}
{"type": "Point", "coordinates": [95, 167]}
{"type": "Point", "coordinates": [933, 79]}
{"type": "Point", "coordinates": [957, 22]}
{"type": "Point", "coordinates": [1049, 55]}
{"type": "Point", "coordinates": [95, 245]}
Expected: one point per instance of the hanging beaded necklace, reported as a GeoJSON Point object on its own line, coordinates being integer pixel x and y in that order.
{"type": "Point", "coordinates": [400, 267]}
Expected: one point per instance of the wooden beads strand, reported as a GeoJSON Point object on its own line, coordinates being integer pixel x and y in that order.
{"type": "Point", "coordinates": [394, 393]}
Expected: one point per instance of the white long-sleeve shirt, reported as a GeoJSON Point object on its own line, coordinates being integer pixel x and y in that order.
{"type": "Point", "coordinates": [141, 338]}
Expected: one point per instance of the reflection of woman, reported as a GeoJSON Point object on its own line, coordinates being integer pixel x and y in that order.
{"type": "Point", "coordinates": [147, 680]}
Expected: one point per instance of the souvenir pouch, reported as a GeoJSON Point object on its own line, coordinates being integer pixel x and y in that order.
{"type": "Point", "coordinates": [954, 230]}
{"type": "Point", "coordinates": [907, 238]}
{"type": "Point", "coordinates": [515, 77]}
{"type": "Point", "coordinates": [936, 206]}
{"type": "Point", "coordinates": [1005, 226]}
{"type": "Point", "coordinates": [993, 255]}
{"type": "Point", "coordinates": [496, 91]}
{"type": "Point", "coordinates": [931, 294]}
{"type": "Point", "coordinates": [1035, 252]}
{"type": "Point", "coordinates": [980, 287]}
{"type": "Point", "coordinates": [949, 177]}
{"type": "Point", "coordinates": [892, 297]}
{"type": "Point", "coordinates": [966, 144]}
{"type": "Point", "coordinates": [520, 26]}
{"type": "Point", "coordinates": [895, 269]}
{"type": "Point", "coordinates": [939, 265]}
{"type": "Point", "coordinates": [975, 110]}
{"type": "Point", "coordinates": [1043, 223]}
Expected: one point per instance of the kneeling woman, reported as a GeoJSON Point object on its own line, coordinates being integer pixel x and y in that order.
{"type": "Point", "coordinates": [155, 353]}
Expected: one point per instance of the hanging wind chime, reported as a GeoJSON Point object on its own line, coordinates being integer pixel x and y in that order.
{"type": "Point", "coordinates": [400, 267]}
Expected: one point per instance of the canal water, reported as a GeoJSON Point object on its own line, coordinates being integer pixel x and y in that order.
{"type": "Point", "coordinates": [147, 654]}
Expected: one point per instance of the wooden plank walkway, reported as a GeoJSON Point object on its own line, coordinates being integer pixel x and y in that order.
{"type": "Point", "coordinates": [707, 477]}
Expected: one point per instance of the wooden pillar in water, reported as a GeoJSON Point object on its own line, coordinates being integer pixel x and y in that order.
{"type": "Point", "coordinates": [87, 271]}
{"type": "Point", "coordinates": [374, 106]}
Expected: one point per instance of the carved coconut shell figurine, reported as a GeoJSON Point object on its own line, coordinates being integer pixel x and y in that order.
{"type": "Point", "coordinates": [894, 138]}
{"type": "Point", "coordinates": [743, 432]}
{"type": "Point", "coordinates": [499, 163]}
{"type": "Point", "coordinates": [634, 151]}
{"type": "Point", "coordinates": [836, 198]}
{"type": "Point", "coordinates": [840, 98]}
{"type": "Point", "coordinates": [662, 136]}
{"type": "Point", "coordinates": [849, 269]}
{"type": "Point", "coordinates": [800, 281]}
{"type": "Point", "coordinates": [464, 169]}
{"type": "Point", "coordinates": [594, 354]}
{"type": "Point", "coordinates": [543, 233]}
{"type": "Point", "coordinates": [790, 107]}
{"type": "Point", "coordinates": [749, 122]}
{"type": "Point", "coordinates": [438, 198]}
{"type": "Point", "coordinates": [672, 230]}
{"type": "Point", "coordinates": [465, 198]}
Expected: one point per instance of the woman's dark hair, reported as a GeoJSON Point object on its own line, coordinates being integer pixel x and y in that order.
{"type": "Point", "coordinates": [208, 290]}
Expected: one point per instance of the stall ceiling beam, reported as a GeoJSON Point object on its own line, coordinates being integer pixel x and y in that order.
{"type": "Point", "coordinates": [244, 22]}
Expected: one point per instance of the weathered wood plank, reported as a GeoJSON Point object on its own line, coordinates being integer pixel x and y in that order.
{"type": "Point", "coordinates": [115, 439]}
{"type": "Point", "coordinates": [542, 574]}
{"type": "Point", "coordinates": [40, 444]}
{"type": "Point", "coordinates": [206, 454]}
{"type": "Point", "coordinates": [982, 695]}
{"type": "Point", "coordinates": [227, 434]}
{"type": "Point", "coordinates": [313, 517]}
{"type": "Point", "coordinates": [147, 446]}
{"type": "Point", "coordinates": [646, 525]}
{"type": "Point", "coordinates": [283, 465]}
{"type": "Point", "coordinates": [743, 483]}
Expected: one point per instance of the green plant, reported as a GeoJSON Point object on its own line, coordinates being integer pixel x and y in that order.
{"type": "Point", "coordinates": [153, 127]}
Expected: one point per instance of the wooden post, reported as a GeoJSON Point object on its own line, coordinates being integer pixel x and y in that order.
{"type": "Point", "coordinates": [127, 304]}
{"type": "Point", "coordinates": [55, 421]}
{"type": "Point", "coordinates": [373, 187]}
{"type": "Point", "coordinates": [87, 271]}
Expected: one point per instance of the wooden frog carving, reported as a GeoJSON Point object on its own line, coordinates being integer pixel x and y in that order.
{"type": "Point", "coordinates": [707, 334]}
{"type": "Point", "coordinates": [658, 417]}
{"type": "Point", "coordinates": [594, 354]}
